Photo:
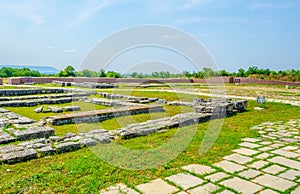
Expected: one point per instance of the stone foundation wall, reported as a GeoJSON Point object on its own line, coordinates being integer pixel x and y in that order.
{"type": "Point", "coordinates": [28, 103]}
{"type": "Point", "coordinates": [101, 115]}
{"type": "Point", "coordinates": [20, 92]}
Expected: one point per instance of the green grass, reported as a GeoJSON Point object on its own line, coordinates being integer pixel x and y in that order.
{"type": "Point", "coordinates": [82, 171]}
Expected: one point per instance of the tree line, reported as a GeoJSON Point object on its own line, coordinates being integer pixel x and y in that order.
{"type": "Point", "coordinates": [252, 72]}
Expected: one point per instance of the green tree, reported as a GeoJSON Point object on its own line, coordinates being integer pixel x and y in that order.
{"type": "Point", "coordinates": [69, 71]}
{"type": "Point", "coordinates": [102, 73]}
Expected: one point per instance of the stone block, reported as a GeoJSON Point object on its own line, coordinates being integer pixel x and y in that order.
{"type": "Point", "coordinates": [67, 147]}
{"type": "Point", "coordinates": [34, 132]}
{"type": "Point", "coordinates": [207, 188]}
{"type": "Point", "coordinates": [198, 169]}
{"type": "Point", "coordinates": [157, 186]}
{"type": "Point", "coordinates": [72, 108]}
{"type": "Point", "coordinates": [102, 138]}
{"type": "Point", "coordinates": [274, 182]}
{"type": "Point", "coordinates": [242, 186]}
{"type": "Point", "coordinates": [185, 181]}
{"type": "Point", "coordinates": [87, 142]}
{"type": "Point", "coordinates": [230, 166]}
{"type": "Point", "coordinates": [18, 156]}
{"type": "Point", "coordinates": [216, 176]}
{"type": "Point", "coordinates": [6, 138]}
{"type": "Point", "coordinates": [38, 110]}
{"type": "Point", "coordinates": [47, 150]}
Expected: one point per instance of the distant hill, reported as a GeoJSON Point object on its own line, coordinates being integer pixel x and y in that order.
{"type": "Point", "coordinates": [41, 69]}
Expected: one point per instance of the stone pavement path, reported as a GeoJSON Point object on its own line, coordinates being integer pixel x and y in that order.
{"type": "Point", "coordinates": [267, 164]}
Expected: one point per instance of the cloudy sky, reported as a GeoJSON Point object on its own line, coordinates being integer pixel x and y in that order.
{"type": "Point", "coordinates": [238, 33]}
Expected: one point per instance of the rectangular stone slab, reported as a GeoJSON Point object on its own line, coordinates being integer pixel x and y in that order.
{"type": "Point", "coordinates": [19, 156]}
{"type": "Point", "coordinates": [32, 133]}
{"type": "Point", "coordinates": [6, 138]}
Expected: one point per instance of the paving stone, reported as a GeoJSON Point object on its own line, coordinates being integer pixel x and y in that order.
{"type": "Point", "coordinates": [207, 188]}
{"type": "Point", "coordinates": [249, 145]}
{"type": "Point", "coordinates": [199, 169]}
{"type": "Point", "coordinates": [241, 185]}
{"type": "Point", "coordinates": [276, 145]}
{"type": "Point", "coordinates": [251, 140]}
{"type": "Point", "coordinates": [263, 156]}
{"type": "Point", "coordinates": [230, 166]}
{"type": "Point", "coordinates": [274, 182]}
{"type": "Point", "coordinates": [265, 143]}
{"type": "Point", "coordinates": [274, 169]}
{"type": "Point", "coordinates": [157, 186]}
{"type": "Point", "coordinates": [296, 191]}
{"type": "Point", "coordinates": [290, 174]}
{"type": "Point", "coordinates": [285, 153]}
{"type": "Point", "coordinates": [258, 164]}
{"type": "Point", "coordinates": [238, 158]}
{"type": "Point", "coordinates": [216, 177]}
{"type": "Point", "coordinates": [226, 192]}
{"type": "Point", "coordinates": [289, 148]}
{"type": "Point", "coordinates": [286, 162]}
{"type": "Point", "coordinates": [249, 174]}
{"type": "Point", "coordinates": [246, 151]}
{"type": "Point", "coordinates": [185, 181]}
{"type": "Point", "coordinates": [268, 191]}
{"type": "Point", "coordinates": [117, 189]}
{"type": "Point", "coordinates": [266, 148]}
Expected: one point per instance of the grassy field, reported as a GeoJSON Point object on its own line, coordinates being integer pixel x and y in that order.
{"type": "Point", "coordinates": [82, 171]}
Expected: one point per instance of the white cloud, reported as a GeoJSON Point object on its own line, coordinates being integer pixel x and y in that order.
{"type": "Point", "coordinates": [88, 13]}
{"type": "Point", "coordinates": [70, 51]}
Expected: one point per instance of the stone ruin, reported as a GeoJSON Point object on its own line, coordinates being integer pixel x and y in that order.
{"type": "Point", "coordinates": [36, 139]}
{"type": "Point", "coordinates": [20, 92]}
{"type": "Point", "coordinates": [27, 101]}
{"type": "Point", "coordinates": [56, 109]}
{"type": "Point", "coordinates": [85, 84]}
{"type": "Point", "coordinates": [102, 115]}
{"type": "Point", "coordinates": [126, 98]}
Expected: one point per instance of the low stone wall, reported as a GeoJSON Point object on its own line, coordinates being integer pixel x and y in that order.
{"type": "Point", "coordinates": [244, 80]}
{"type": "Point", "coordinates": [50, 145]}
{"type": "Point", "coordinates": [132, 99]}
{"type": "Point", "coordinates": [28, 103]}
{"type": "Point", "coordinates": [7, 117]}
{"type": "Point", "coordinates": [215, 80]}
{"type": "Point", "coordinates": [111, 102]}
{"type": "Point", "coordinates": [101, 115]}
{"type": "Point", "coordinates": [153, 126]}
{"type": "Point", "coordinates": [56, 96]}
{"type": "Point", "coordinates": [42, 80]}
{"type": "Point", "coordinates": [20, 92]}
{"type": "Point", "coordinates": [85, 84]}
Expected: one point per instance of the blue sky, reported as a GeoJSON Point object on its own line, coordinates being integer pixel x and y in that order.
{"type": "Point", "coordinates": [238, 33]}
